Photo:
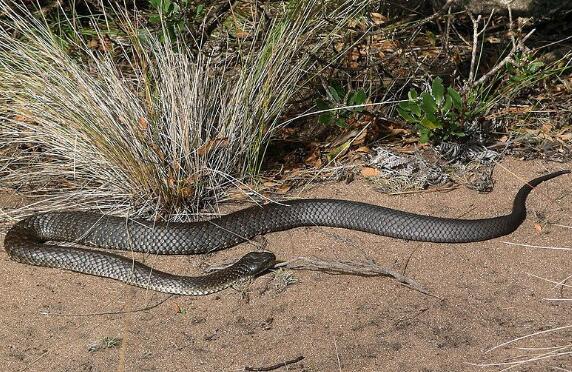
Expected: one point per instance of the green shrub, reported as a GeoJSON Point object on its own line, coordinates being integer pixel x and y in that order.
{"type": "Point", "coordinates": [437, 113]}
{"type": "Point", "coordinates": [337, 97]}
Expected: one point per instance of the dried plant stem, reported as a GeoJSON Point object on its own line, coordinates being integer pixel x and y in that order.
{"type": "Point", "coordinates": [353, 268]}
{"type": "Point", "coordinates": [517, 45]}
{"type": "Point", "coordinates": [164, 133]}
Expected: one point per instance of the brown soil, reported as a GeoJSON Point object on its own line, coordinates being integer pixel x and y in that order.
{"type": "Point", "coordinates": [483, 295]}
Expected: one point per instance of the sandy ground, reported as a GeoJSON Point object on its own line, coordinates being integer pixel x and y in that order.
{"type": "Point", "coordinates": [483, 294]}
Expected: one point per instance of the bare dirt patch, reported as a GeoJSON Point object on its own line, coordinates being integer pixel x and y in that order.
{"type": "Point", "coordinates": [483, 294]}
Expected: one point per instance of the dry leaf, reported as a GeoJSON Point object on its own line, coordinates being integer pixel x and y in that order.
{"type": "Point", "coordinates": [237, 194]}
{"type": "Point", "coordinates": [565, 137]}
{"type": "Point", "coordinates": [158, 151]}
{"type": "Point", "coordinates": [93, 44]}
{"type": "Point", "coordinates": [363, 149]}
{"type": "Point", "coordinates": [210, 145]}
{"type": "Point", "coordinates": [143, 124]}
{"type": "Point", "coordinates": [338, 151]}
{"type": "Point", "coordinates": [22, 118]}
{"type": "Point", "coordinates": [345, 137]}
{"type": "Point", "coordinates": [270, 184]}
{"type": "Point", "coordinates": [378, 18]}
{"type": "Point", "coordinates": [546, 128]}
{"type": "Point", "coordinates": [283, 189]}
{"type": "Point", "coordinates": [370, 172]}
{"type": "Point", "coordinates": [187, 192]}
{"type": "Point", "coordinates": [354, 54]}
{"type": "Point", "coordinates": [294, 172]}
{"type": "Point", "coordinates": [538, 228]}
{"type": "Point", "coordinates": [176, 166]}
{"type": "Point", "coordinates": [314, 159]}
{"type": "Point", "coordinates": [360, 138]}
{"type": "Point", "coordinates": [239, 34]}
{"type": "Point", "coordinates": [397, 131]}
{"type": "Point", "coordinates": [171, 182]}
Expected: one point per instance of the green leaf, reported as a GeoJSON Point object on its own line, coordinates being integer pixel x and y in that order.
{"type": "Point", "coordinates": [326, 118]}
{"type": "Point", "coordinates": [167, 6]}
{"type": "Point", "coordinates": [447, 105]}
{"type": "Point", "coordinates": [438, 90]}
{"type": "Point", "coordinates": [431, 122]}
{"type": "Point", "coordinates": [322, 105]}
{"type": "Point", "coordinates": [155, 18]}
{"type": "Point", "coordinates": [341, 122]}
{"type": "Point", "coordinates": [340, 89]}
{"type": "Point", "coordinates": [428, 103]}
{"type": "Point", "coordinates": [535, 66]}
{"type": "Point", "coordinates": [424, 135]}
{"type": "Point", "coordinates": [334, 93]}
{"type": "Point", "coordinates": [412, 95]}
{"type": "Point", "coordinates": [200, 10]}
{"type": "Point", "coordinates": [358, 98]}
{"type": "Point", "coordinates": [405, 106]}
{"type": "Point", "coordinates": [407, 116]}
{"type": "Point", "coordinates": [155, 3]}
{"type": "Point", "coordinates": [456, 97]}
{"type": "Point", "coordinates": [415, 108]}
{"type": "Point", "coordinates": [431, 37]}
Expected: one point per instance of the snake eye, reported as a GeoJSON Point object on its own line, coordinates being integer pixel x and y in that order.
{"type": "Point", "coordinates": [257, 262]}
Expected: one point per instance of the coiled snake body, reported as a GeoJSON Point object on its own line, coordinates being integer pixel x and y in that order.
{"type": "Point", "coordinates": [25, 241]}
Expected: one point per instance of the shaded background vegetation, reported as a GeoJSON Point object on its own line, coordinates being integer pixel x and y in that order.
{"type": "Point", "coordinates": [194, 103]}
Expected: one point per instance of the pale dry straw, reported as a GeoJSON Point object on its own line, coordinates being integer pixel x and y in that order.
{"type": "Point", "coordinates": [167, 131]}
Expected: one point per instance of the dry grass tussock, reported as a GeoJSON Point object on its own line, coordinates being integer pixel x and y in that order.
{"type": "Point", "coordinates": [164, 133]}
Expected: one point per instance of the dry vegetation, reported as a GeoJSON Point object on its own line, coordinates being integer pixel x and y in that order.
{"type": "Point", "coordinates": [119, 114]}
{"type": "Point", "coordinates": [166, 129]}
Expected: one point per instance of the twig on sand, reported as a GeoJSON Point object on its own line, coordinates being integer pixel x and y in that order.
{"type": "Point", "coordinates": [528, 336]}
{"type": "Point", "coordinates": [275, 366]}
{"type": "Point", "coordinates": [538, 246]}
{"type": "Point", "coordinates": [118, 312]}
{"type": "Point", "coordinates": [353, 268]}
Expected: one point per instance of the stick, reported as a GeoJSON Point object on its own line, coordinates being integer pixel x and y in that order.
{"type": "Point", "coordinates": [352, 268]}
{"type": "Point", "coordinates": [275, 366]}
{"type": "Point", "coordinates": [517, 45]}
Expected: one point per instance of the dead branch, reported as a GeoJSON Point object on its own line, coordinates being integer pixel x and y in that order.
{"type": "Point", "coordinates": [476, 35]}
{"type": "Point", "coordinates": [275, 366]}
{"type": "Point", "coordinates": [352, 268]}
{"type": "Point", "coordinates": [517, 45]}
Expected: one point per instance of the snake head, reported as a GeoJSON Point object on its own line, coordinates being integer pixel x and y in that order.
{"type": "Point", "coordinates": [257, 262]}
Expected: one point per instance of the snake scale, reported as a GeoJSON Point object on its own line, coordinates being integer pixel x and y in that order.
{"type": "Point", "coordinates": [25, 241]}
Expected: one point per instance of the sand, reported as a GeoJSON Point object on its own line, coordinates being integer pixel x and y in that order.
{"type": "Point", "coordinates": [482, 295]}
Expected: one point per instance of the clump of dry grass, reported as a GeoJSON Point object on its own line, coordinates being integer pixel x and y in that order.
{"type": "Point", "coordinates": [167, 131]}
{"type": "Point", "coordinates": [549, 355]}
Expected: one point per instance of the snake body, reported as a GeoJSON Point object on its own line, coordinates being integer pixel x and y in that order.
{"type": "Point", "coordinates": [25, 241]}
